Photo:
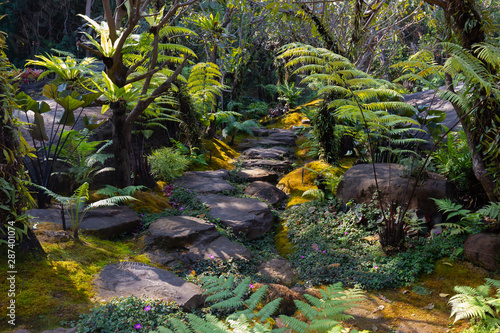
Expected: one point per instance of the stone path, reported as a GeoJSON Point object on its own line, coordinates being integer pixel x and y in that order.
{"type": "Point", "coordinates": [185, 240]}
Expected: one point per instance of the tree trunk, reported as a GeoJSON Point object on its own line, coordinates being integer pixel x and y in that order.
{"type": "Point", "coordinates": [122, 147]}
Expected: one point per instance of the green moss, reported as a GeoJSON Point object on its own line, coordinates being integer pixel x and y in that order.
{"type": "Point", "coordinates": [220, 155]}
{"type": "Point", "coordinates": [150, 202]}
{"type": "Point", "coordinates": [59, 288]}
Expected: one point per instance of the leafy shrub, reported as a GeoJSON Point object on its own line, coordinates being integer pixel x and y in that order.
{"type": "Point", "coordinates": [332, 246]}
{"type": "Point", "coordinates": [125, 314]}
{"type": "Point", "coordinates": [167, 164]}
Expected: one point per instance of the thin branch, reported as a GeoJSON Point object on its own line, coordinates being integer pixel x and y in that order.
{"type": "Point", "coordinates": [110, 19]}
{"type": "Point", "coordinates": [145, 75]}
{"type": "Point", "coordinates": [173, 9]}
{"type": "Point", "coordinates": [136, 65]}
{"type": "Point", "coordinates": [91, 50]}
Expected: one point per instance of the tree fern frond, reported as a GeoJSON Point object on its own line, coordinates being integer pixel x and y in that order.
{"type": "Point", "coordinates": [268, 309]}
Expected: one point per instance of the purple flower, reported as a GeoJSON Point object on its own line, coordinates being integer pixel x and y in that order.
{"type": "Point", "coordinates": [345, 233]}
{"type": "Point", "coordinates": [147, 308]}
{"type": "Point", "coordinates": [323, 251]}
{"type": "Point", "coordinates": [182, 208]}
{"type": "Point", "coordinates": [251, 286]}
{"type": "Point", "coordinates": [302, 257]}
{"type": "Point", "coordinates": [437, 232]}
{"type": "Point", "coordinates": [137, 326]}
{"type": "Point", "coordinates": [376, 267]}
{"type": "Point", "coordinates": [142, 215]}
{"type": "Point", "coordinates": [211, 256]}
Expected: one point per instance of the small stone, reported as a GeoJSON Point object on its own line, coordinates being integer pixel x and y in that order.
{"type": "Point", "coordinates": [429, 306]}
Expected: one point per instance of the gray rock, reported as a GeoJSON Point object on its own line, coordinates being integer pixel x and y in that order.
{"type": "Point", "coordinates": [193, 239]}
{"type": "Point", "coordinates": [104, 222]}
{"type": "Point", "coordinates": [220, 248]}
{"type": "Point", "coordinates": [359, 184]}
{"type": "Point", "coordinates": [250, 143]}
{"type": "Point", "coordinates": [258, 174]}
{"type": "Point", "coordinates": [280, 166]}
{"type": "Point", "coordinates": [278, 269]}
{"type": "Point", "coordinates": [274, 153]}
{"type": "Point", "coordinates": [283, 138]}
{"type": "Point", "coordinates": [250, 217]}
{"type": "Point", "coordinates": [260, 131]}
{"type": "Point", "coordinates": [267, 192]}
{"type": "Point", "coordinates": [206, 181]}
{"type": "Point", "coordinates": [178, 231]}
{"type": "Point", "coordinates": [483, 250]}
{"type": "Point", "coordinates": [132, 278]}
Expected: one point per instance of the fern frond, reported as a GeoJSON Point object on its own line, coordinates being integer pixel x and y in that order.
{"type": "Point", "coordinates": [268, 310]}
{"type": "Point", "coordinates": [256, 297]}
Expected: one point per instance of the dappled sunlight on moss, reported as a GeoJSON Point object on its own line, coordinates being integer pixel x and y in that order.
{"type": "Point", "coordinates": [220, 155]}
{"type": "Point", "coordinates": [60, 287]}
{"type": "Point", "coordinates": [149, 202]}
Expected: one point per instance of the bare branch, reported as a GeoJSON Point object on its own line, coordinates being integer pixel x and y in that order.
{"type": "Point", "coordinates": [173, 9]}
{"type": "Point", "coordinates": [109, 17]}
{"type": "Point", "coordinates": [148, 74]}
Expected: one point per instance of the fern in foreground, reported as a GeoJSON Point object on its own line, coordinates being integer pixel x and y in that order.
{"type": "Point", "coordinates": [477, 303]}
{"type": "Point", "coordinates": [248, 315]}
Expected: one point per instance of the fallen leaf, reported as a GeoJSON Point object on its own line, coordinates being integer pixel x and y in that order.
{"type": "Point", "coordinates": [334, 265]}
{"type": "Point", "coordinates": [447, 263]}
{"type": "Point", "coordinates": [430, 306]}
{"type": "Point", "coordinates": [443, 295]}
{"type": "Point", "coordinates": [378, 308]}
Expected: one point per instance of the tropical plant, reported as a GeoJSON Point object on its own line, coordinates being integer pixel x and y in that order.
{"type": "Point", "coordinates": [14, 195]}
{"type": "Point", "coordinates": [234, 127]}
{"type": "Point", "coordinates": [76, 205]}
{"type": "Point", "coordinates": [150, 61]}
{"type": "Point", "coordinates": [41, 167]}
{"type": "Point", "coordinates": [68, 70]}
{"type": "Point", "coordinates": [289, 93]}
{"type": "Point", "coordinates": [478, 303]}
{"type": "Point", "coordinates": [167, 163]}
{"type": "Point", "coordinates": [191, 153]}
{"type": "Point", "coordinates": [111, 191]}
{"type": "Point", "coordinates": [323, 315]}
{"type": "Point", "coordinates": [83, 158]}
{"type": "Point", "coordinates": [461, 220]}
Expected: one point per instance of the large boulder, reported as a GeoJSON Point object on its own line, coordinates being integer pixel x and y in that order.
{"type": "Point", "coordinates": [189, 239]}
{"type": "Point", "coordinates": [267, 192]}
{"type": "Point", "coordinates": [358, 184]}
{"type": "Point", "coordinates": [258, 174]}
{"type": "Point", "coordinates": [484, 250]}
{"type": "Point", "coordinates": [104, 222]}
{"type": "Point", "coordinates": [246, 216]}
{"type": "Point", "coordinates": [206, 181]}
{"type": "Point", "coordinates": [131, 278]}
{"type": "Point", "coordinates": [274, 153]}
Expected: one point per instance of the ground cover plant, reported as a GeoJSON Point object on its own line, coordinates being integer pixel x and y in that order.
{"type": "Point", "coordinates": [332, 245]}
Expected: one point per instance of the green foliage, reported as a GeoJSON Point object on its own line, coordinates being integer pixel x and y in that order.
{"type": "Point", "coordinates": [234, 127]}
{"type": "Point", "coordinates": [123, 314]}
{"type": "Point", "coordinates": [289, 93]}
{"type": "Point", "coordinates": [167, 163]}
{"type": "Point", "coordinates": [454, 160]}
{"type": "Point", "coordinates": [68, 70]}
{"type": "Point", "coordinates": [76, 207]}
{"type": "Point", "coordinates": [478, 303]}
{"type": "Point", "coordinates": [354, 100]}
{"type": "Point", "coordinates": [234, 297]}
{"type": "Point", "coordinates": [111, 191]}
{"type": "Point", "coordinates": [465, 221]}
{"type": "Point", "coordinates": [83, 156]}
{"type": "Point", "coordinates": [331, 246]}
{"type": "Point", "coordinates": [191, 153]}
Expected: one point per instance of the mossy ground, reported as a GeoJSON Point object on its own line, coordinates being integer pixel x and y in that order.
{"type": "Point", "coordinates": [219, 156]}
{"type": "Point", "coordinates": [60, 287]}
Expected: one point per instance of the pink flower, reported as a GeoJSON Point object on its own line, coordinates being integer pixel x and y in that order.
{"type": "Point", "coordinates": [345, 233]}
{"type": "Point", "coordinates": [376, 267]}
{"type": "Point", "coordinates": [251, 286]}
{"type": "Point", "coordinates": [211, 256]}
{"type": "Point", "coordinates": [137, 326]}
{"type": "Point", "coordinates": [323, 251]}
{"type": "Point", "coordinates": [302, 257]}
{"type": "Point", "coordinates": [182, 208]}
{"type": "Point", "coordinates": [147, 308]}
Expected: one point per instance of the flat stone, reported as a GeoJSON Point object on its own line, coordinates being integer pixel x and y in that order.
{"type": "Point", "coordinates": [258, 174]}
{"type": "Point", "coordinates": [177, 231]}
{"type": "Point", "coordinates": [251, 143]}
{"type": "Point", "coordinates": [131, 278]}
{"type": "Point", "coordinates": [283, 138]}
{"type": "Point", "coordinates": [278, 269]}
{"type": "Point", "coordinates": [104, 222]}
{"type": "Point", "coordinates": [247, 216]}
{"type": "Point", "coordinates": [483, 250]}
{"type": "Point", "coordinates": [358, 184]}
{"type": "Point", "coordinates": [266, 191]}
{"type": "Point", "coordinates": [274, 153]}
{"type": "Point", "coordinates": [205, 181]}
{"type": "Point", "coordinates": [280, 166]}
{"type": "Point", "coordinates": [260, 131]}
{"type": "Point", "coordinates": [221, 248]}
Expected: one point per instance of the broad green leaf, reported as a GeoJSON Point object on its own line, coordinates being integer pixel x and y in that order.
{"type": "Point", "coordinates": [67, 118]}
{"type": "Point", "coordinates": [37, 129]}
{"type": "Point", "coordinates": [26, 103]}
{"type": "Point", "coordinates": [69, 103]}
{"type": "Point", "coordinates": [43, 107]}
{"type": "Point", "coordinates": [50, 91]}
{"type": "Point", "coordinates": [89, 98]}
